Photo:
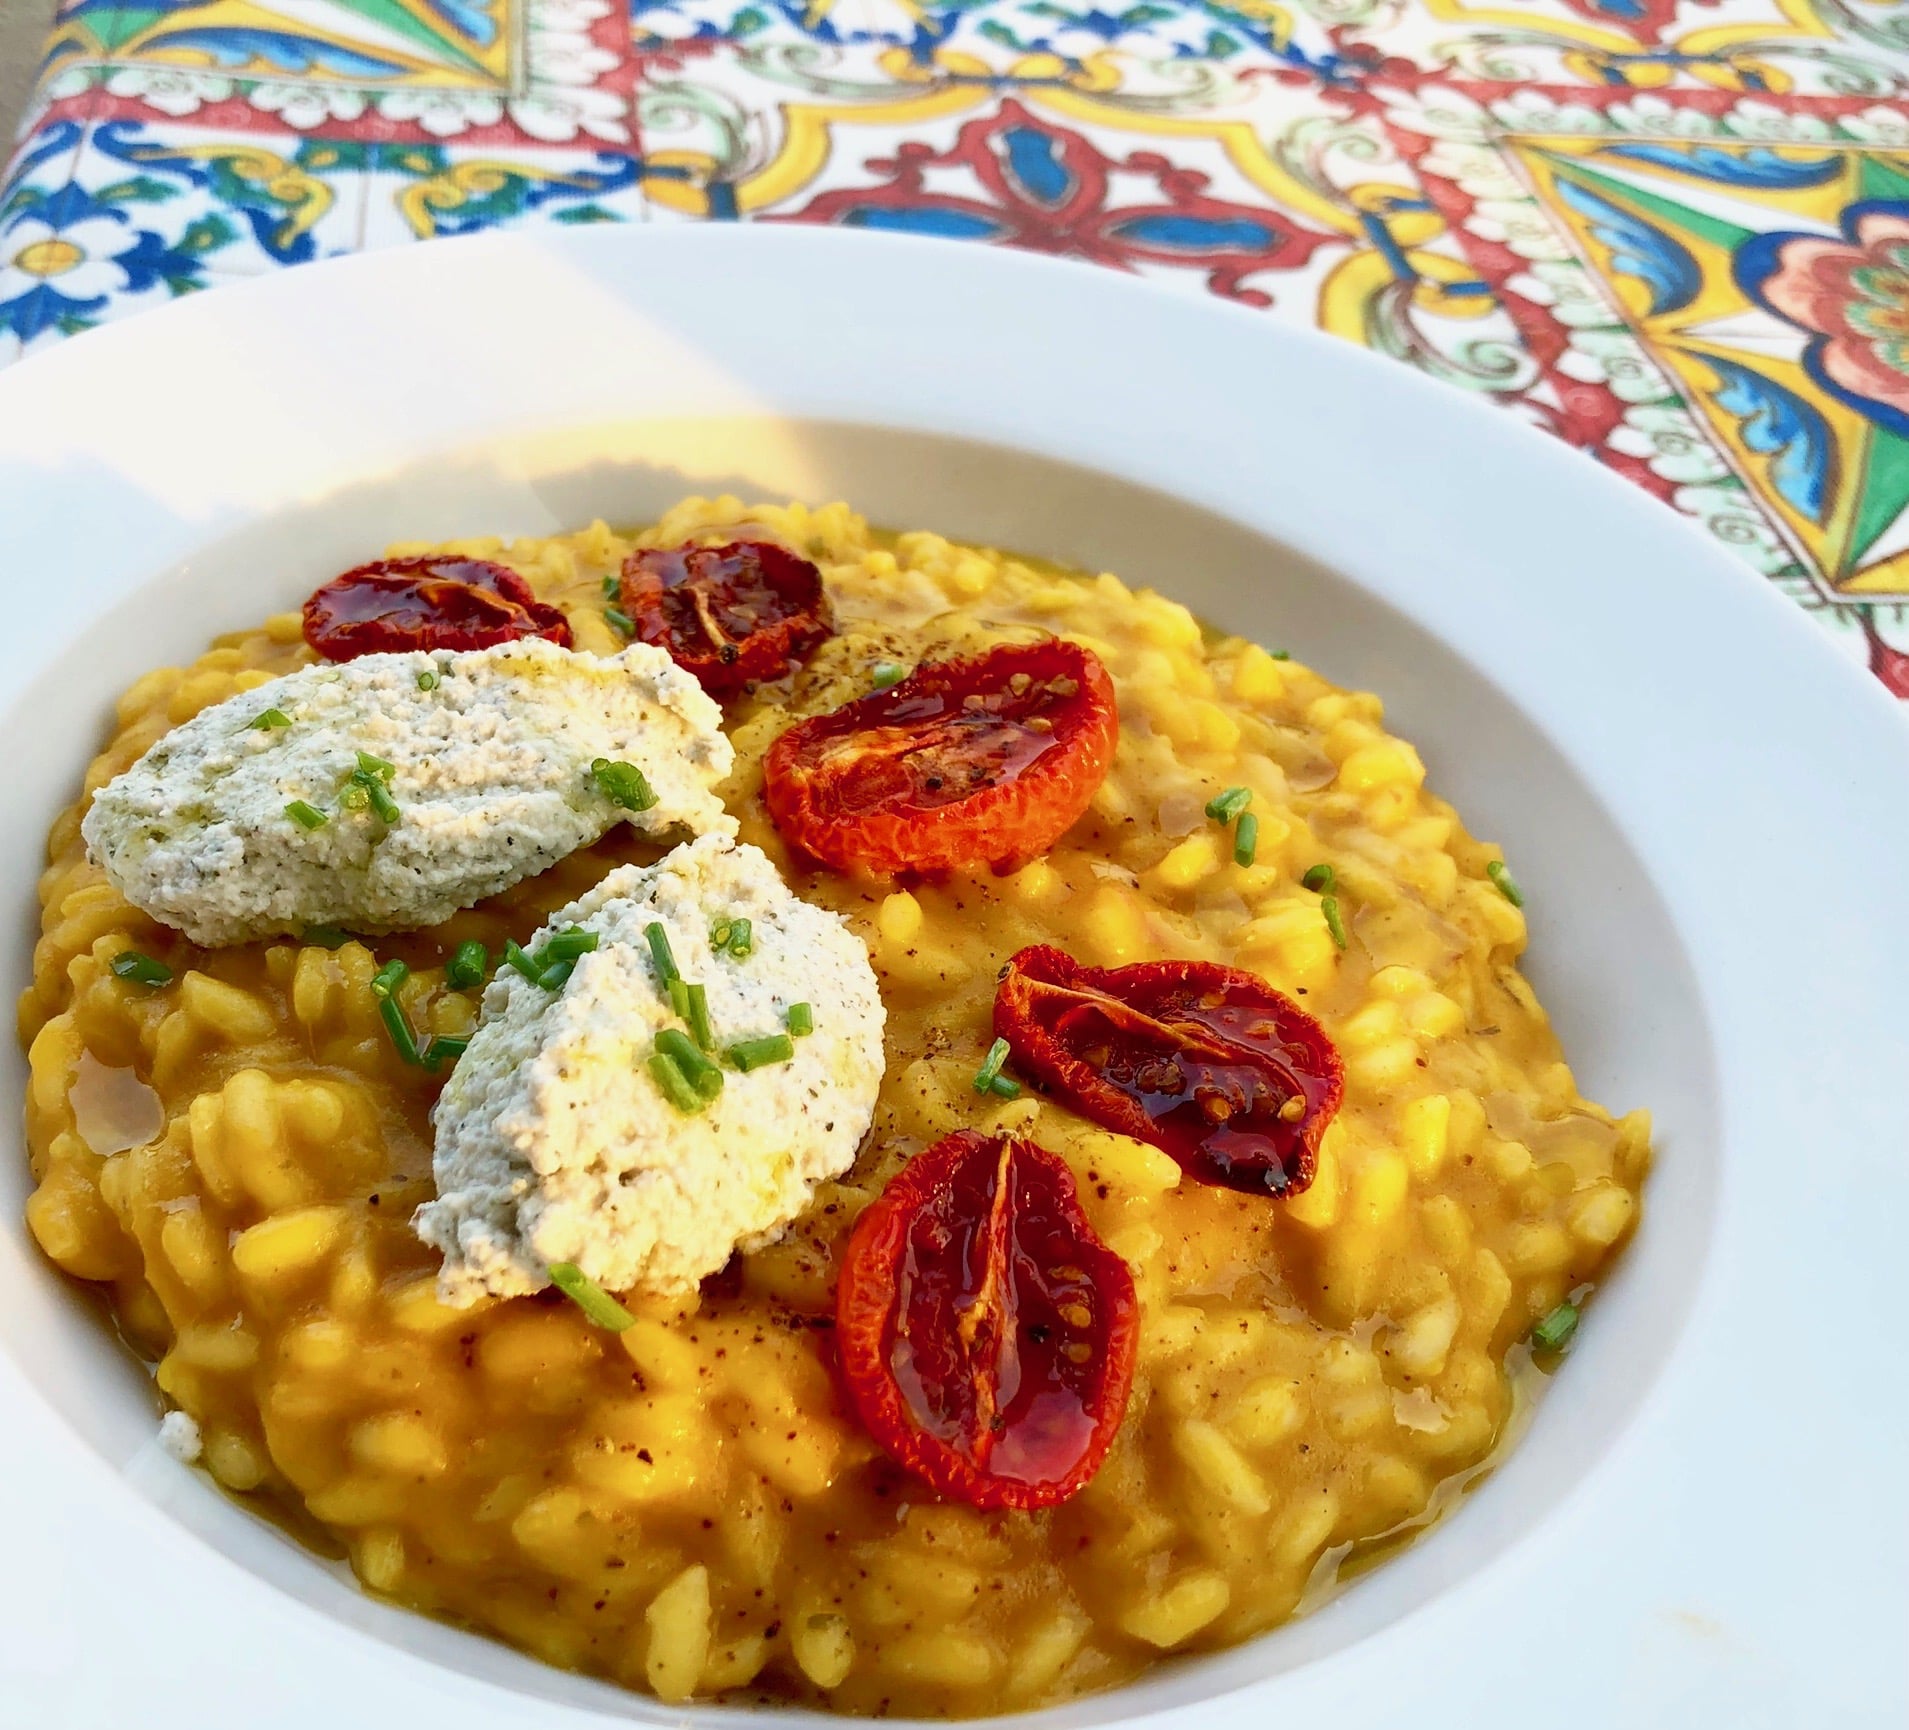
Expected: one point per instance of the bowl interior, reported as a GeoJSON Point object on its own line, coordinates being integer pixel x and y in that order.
{"type": "Point", "coordinates": [1605, 955]}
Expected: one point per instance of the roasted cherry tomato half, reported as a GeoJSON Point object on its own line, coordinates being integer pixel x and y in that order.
{"type": "Point", "coordinates": [983, 761]}
{"type": "Point", "coordinates": [733, 615]}
{"type": "Point", "coordinates": [428, 603]}
{"type": "Point", "coordinates": [1207, 1063]}
{"type": "Point", "coordinates": [986, 1335]}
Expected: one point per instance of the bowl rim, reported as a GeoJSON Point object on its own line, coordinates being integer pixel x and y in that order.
{"type": "Point", "coordinates": [155, 496]}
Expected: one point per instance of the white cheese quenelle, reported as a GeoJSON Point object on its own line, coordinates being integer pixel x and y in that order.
{"type": "Point", "coordinates": [385, 793]}
{"type": "Point", "coordinates": [555, 1141]}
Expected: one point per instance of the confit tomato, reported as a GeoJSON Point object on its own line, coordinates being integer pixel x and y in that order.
{"type": "Point", "coordinates": [1207, 1063]}
{"type": "Point", "coordinates": [426, 603]}
{"type": "Point", "coordinates": [986, 760]}
{"type": "Point", "coordinates": [986, 1335]}
{"type": "Point", "coordinates": [732, 615]}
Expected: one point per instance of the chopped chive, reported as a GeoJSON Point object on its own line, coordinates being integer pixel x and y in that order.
{"type": "Point", "coordinates": [1006, 1086]}
{"type": "Point", "coordinates": [591, 1298]}
{"type": "Point", "coordinates": [991, 1066]}
{"type": "Point", "coordinates": [375, 766]}
{"type": "Point", "coordinates": [675, 1084]}
{"type": "Point", "coordinates": [1245, 839]}
{"type": "Point", "coordinates": [623, 784]}
{"type": "Point", "coordinates": [1500, 874]}
{"type": "Point", "coordinates": [140, 969]}
{"type": "Point", "coordinates": [742, 940]}
{"type": "Point", "coordinates": [1280, 654]}
{"type": "Point", "coordinates": [377, 795]}
{"type": "Point", "coordinates": [679, 997]}
{"type": "Point", "coordinates": [698, 1018]}
{"type": "Point", "coordinates": [557, 975]}
{"type": "Point", "coordinates": [698, 1071]}
{"type": "Point", "coordinates": [515, 957]}
{"type": "Point", "coordinates": [565, 945]}
{"type": "Point", "coordinates": [748, 1054]}
{"type": "Point", "coordinates": [612, 586]}
{"type": "Point", "coordinates": [658, 940]}
{"type": "Point", "coordinates": [1329, 905]}
{"type": "Point", "coordinates": [800, 1019]}
{"type": "Point", "coordinates": [443, 1047]}
{"type": "Point", "coordinates": [1555, 1331]}
{"type": "Point", "coordinates": [719, 933]}
{"type": "Point", "coordinates": [389, 977]}
{"type": "Point", "coordinates": [427, 680]}
{"type": "Point", "coordinates": [271, 721]}
{"type": "Point", "coordinates": [327, 936]}
{"type": "Point", "coordinates": [306, 816]}
{"type": "Point", "coordinates": [619, 621]}
{"type": "Point", "coordinates": [467, 966]}
{"type": "Point", "coordinates": [353, 797]}
{"type": "Point", "coordinates": [398, 1025]}
{"type": "Point", "coordinates": [887, 673]}
{"type": "Point", "coordinates": [1224, 807]}
{"type": "Point", "coordinates": [1320, 879]}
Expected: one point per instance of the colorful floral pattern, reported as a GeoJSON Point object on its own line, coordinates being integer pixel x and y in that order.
{"type": "Point", "coordinates": [1673, 233]}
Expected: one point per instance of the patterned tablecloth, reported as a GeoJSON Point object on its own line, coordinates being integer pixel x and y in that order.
{"type": "Point", "coordinates": [1674, 233]}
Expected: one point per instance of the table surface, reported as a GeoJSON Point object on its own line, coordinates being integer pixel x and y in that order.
{"type": "Point", "coordinates": [1674, 233]}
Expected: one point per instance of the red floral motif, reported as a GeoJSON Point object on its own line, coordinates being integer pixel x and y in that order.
{"type": "Point", "coordinates": [1047, 189]}
{"type": "Point", "coordinates": [1646, 20]}
{"type": "Point", "coordinates": [1854, 294]}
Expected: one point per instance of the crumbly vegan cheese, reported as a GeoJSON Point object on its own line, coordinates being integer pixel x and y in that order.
{"type": "Point", "coordinates": [490, 756]}
{"type": "Point", "coordinates": [179, 1436]}
{"type": "Point", "coordinates": [554, 1142]}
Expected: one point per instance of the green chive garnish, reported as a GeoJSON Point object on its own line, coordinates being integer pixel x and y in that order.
{"type": "Point", "coordinates": [991, 1066]}
{"type": "Point", "coordinates": [1280, 654]}
{"type": "Point", "coordinates": [565, 945]}
{"type": "Point", "coordinates": [391, 1012]}
{"type": "Point", "coordinates": [619, 621]}
{"type": "Point", "coordinates": [468, 966]}
{"type": "Point", "coordinates": [696, 1069]}
{"type": "Point", "coordinates": [591, 1298]}
{"type": "Point", "coordinates": [658, 940]}
{"type": "Point", "coordinates": [557, 975]}
{"type": "Point", "coordinates": [379, 796]}
{"type": "Point", "coordinates": [698, 1018]}
{"type": "Point", "coordinates": [623, 784]}
{"type": "Point", "coordinates": [800, 1019]}
{"type": "Point", "coordinates": [1329, 905]}
{"type": "Point", "coordinates": [515, 957]}
{"type": "Point", "coordinates": [751, 1054]}
{"type": "Point", "coordinates": [1500, 874]}
{"type": "Point", "coordinates": [1224, 807]}
{"type": "Point", "coordinates": [1554, 1332]}
{"type": "Point", "coordinates": [1006, 1086]}
{"type": "Point", "coordinates": [611, 586]}
{"type": "Point", "coordinates": [1245, 839]}
{"type": "Point", "coordinates": [442, 1049]}
{"type": "Point", "coordinates": [271, 721]}
{"type": "Point", "coordinates": [675, 1085]}
{"type": "Point", "coordinates": [140, 969]}
{"type": "Point", "coordinates": [327, 936]}
{"type": "Point", "coordinates": [353, 796]}
{"type": "Point", "coordinates": [678, 990]}
{"type": "Point", "coordinates": [1320, 879]}
{"type": "Point", "coordinates": [306, 816]}
{"type": "Point", "coordinates": [887, 673]}
{"type": "Point", "coordinates": [741, 940]}
{"type": "Point", "coordinates": [427, 681]}
{"type": "Point", "coordinates": [376, 767]}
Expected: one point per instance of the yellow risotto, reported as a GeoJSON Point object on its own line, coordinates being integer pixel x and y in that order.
{"type": "Point", "coordinates": [689, 1507]}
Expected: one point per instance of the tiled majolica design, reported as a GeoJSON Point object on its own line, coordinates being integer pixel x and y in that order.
{"type": "Point", "coordinates": [1674, 233]}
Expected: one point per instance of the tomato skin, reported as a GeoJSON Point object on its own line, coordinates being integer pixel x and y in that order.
{"type": "Point", "coordinates": [958, 1324]}
{"type": "Point", "coordinates": [1207, 1063]}
{"type": "Point", "coordinates": [734, 615]}
{"type": "Point", "coordinates": [435, 602]}
{"type": "Point", "coordinates": [985, 760]}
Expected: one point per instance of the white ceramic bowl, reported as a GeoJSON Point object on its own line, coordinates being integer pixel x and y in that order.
{"type": "Point", "coordinates": [1705, 1523]}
